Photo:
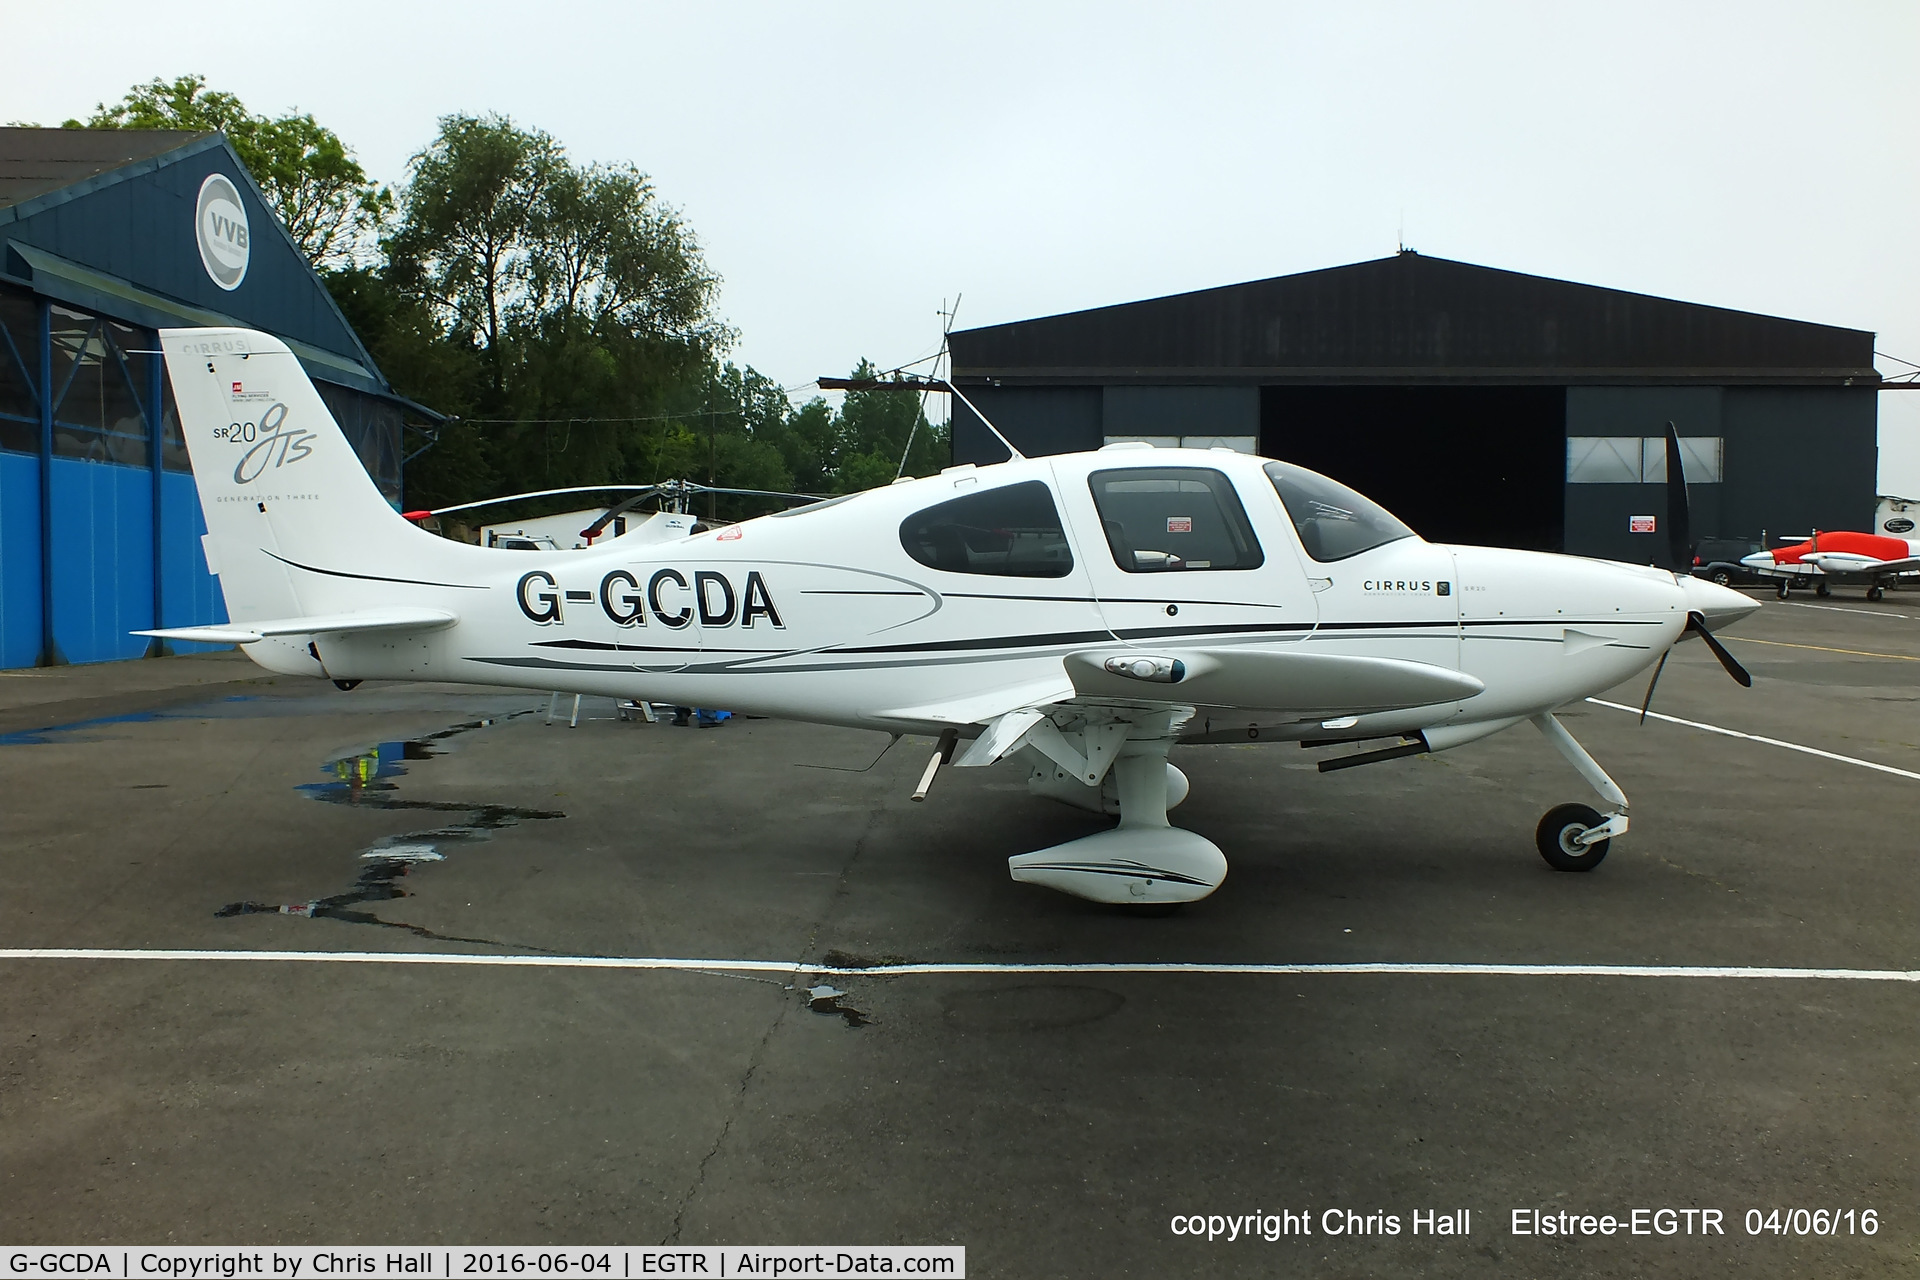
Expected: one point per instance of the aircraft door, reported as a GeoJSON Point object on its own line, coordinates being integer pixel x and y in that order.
{"type": "Point", "coordinates": [1182, 554]}
{"type": "Point", "coordinates": [656, 613]}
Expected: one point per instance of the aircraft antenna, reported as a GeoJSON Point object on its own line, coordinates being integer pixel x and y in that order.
{"type": "Point", "coordinates": [946, 315]}
{"type": "Point", "coordinates": [1014, 454]}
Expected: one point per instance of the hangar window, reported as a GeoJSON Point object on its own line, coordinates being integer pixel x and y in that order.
{"type": "Point", "coordinates": [19, 356]}
{"type": "Point", "coordinates": [1161, 519]}
{"type": "Point", "coordinates": [173, 442]}
{"type": "Point", "coordinates": [373, 428]}
{"type": "Point", "coordinates": [1014, 532]}
{"type": "Point", "coordinates": [1641, 459]}
{"type": "Point", "coordinates": [1334, 521]}
{"type": "Point", "coordinates": [99, 382]}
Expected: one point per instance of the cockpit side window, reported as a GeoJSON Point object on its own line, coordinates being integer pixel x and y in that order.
{"type": "Point", "coordinates": [1334, 521]}
{"type": "Point", "coordinates": [1012, 532]}
{"type": "Point", "coordinates": [1168, 519]}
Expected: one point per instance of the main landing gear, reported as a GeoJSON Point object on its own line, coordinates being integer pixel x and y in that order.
{"type": "Point", "coordinates": [1575, 837]}
{"type": "Point", "coordinates": [1145, 861]}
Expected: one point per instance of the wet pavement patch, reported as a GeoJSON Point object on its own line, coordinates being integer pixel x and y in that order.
{"type": "Point", "coordinates": [825, 1000]}
{"type": "Point", "coordinates": [366, 779]}
{"type": "Point", "coordinates": [849, 960]}
{"type": "Point", "coordinates": [41, 738]}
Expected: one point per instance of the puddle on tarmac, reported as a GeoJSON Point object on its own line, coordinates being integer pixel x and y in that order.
{"type": "Point", "coordinates": [367, 779]}
{"type": "Point", "coordinates": [41, 738]}
{"type": "Point", "coordinates": [837, 959]}
{"type": "Point", "coordinates": [826, 1000]}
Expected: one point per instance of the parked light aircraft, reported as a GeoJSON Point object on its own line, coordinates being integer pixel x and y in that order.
{"type": "Point", "coordinates": [1839, 556]}
{"type": "Point", "coordinates": [1079, 613]}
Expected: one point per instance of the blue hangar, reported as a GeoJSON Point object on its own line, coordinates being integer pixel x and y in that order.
{"type": "Point", "coordinates": [106, 236]}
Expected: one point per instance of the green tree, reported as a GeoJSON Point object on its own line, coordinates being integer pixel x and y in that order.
{"type": "Point", "coordinates": [466, 217]}
{"type": "Point", "coordinates": [312, 182]}
{"type": "Point", "coordinates": [602, 246]}
{"type": "Point", "coordinates": [882, 434]}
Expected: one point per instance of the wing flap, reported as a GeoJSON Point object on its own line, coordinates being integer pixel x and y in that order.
{"type": "Point", "coordinates": [983, 708]}
{"type": "Point", "coordinates": [392, 618]}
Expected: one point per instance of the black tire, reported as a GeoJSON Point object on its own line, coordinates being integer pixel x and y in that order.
{"type": "Point", "coordinates": [1876, 593]}
{"type": "Point", "coordinates": [1554, 837]}
{"type": "Point", "coordinates": [1783, 588]}
{"type": "Point", "coordinates": [1722, 578]}
{"type": "Point", "coordinates": [1823, 591]}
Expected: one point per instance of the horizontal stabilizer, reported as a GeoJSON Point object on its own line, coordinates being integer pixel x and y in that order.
{"type": "Point", "coordinates": [1288, 679]}
{"type": "Point", "coordinates": [384, 619]}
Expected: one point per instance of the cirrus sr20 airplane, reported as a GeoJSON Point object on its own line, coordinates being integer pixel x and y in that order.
{"type": "Point", "coordinates": [1077, 614]}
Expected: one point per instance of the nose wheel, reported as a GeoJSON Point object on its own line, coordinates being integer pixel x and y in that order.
{"type": "Point", "coordinates": [1559, 838]}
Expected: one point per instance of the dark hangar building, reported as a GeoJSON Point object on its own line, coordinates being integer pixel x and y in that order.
{"type": "Point", "coordinates": [106, 236]}
{"type": "Point", "coordinates": [1479, 405]}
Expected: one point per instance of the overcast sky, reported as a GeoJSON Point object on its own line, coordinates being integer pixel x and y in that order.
{"type": "Point", "coordinates": [848, 166]}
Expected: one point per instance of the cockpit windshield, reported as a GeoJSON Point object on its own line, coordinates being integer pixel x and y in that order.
{"type": "Point", "coordinates": [1334, 521]}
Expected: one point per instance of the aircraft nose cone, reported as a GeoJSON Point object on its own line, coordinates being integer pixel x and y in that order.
{"type": "Point", "coordinates": [1720, 606]}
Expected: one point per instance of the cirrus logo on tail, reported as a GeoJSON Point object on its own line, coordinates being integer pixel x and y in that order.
{"type": "Point", "coordinates": [266, 445]}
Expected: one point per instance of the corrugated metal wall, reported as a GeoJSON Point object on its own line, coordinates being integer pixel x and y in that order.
{"type": "Point", "coordinates": [85, 559]}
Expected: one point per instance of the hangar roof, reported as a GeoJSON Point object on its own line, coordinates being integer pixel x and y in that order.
{"type": "Point", "coordinates": [103, 219]}
{"type": "Point", "coordinates": [34, 162]}
{"type": "Point", "coordinates": [1412, 319]}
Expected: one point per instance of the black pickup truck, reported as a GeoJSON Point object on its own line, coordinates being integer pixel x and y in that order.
{"type": "Point", "coordinates": [1718, 559]}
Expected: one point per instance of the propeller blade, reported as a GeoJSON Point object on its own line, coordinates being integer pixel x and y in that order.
{"type": "Point", "coordinates": [1679, 527]}
{"type": "Point", "coordinates": [1651, 683]}
{"type": "Point", "coordinates": [1698, 624]}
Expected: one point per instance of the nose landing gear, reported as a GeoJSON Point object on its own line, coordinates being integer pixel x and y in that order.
{"type": "Point", "coordinates": [1575, 837]}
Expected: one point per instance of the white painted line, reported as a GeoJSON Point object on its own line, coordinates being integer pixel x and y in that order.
{"type": "Point", "coordinates": [1754, 737]}
{"type": "Point", "coordinates": [1834, 608]}
{"type": "Point", "coordinates": [795, 968]}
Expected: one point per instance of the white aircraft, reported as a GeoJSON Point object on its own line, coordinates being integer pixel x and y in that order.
{"type": "Point", "coordinates": [1082, 613]}
{"type": "Point", "coordinates": [1843, 556]}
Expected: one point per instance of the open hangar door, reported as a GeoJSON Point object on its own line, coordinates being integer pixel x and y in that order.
{"type": "Point", "coordinates": [1484, 465]}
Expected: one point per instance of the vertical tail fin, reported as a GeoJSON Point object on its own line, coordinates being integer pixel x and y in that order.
{"type": "Point", "coordinates": [286, 499]}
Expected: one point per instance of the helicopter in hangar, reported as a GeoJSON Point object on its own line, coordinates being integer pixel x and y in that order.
{"type": "Point", "coordinates": [1079, 613]}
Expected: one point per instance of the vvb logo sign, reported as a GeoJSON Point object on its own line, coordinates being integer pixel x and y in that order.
{"type": "Point", "coordinates": [220, 227]}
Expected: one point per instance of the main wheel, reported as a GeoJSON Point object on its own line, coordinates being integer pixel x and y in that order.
{"type": "Point", "coordinates": [1876, 593]}
{"type": "Point", "coordinates": [1783, 588]}
{"type": "Point", "coordinates": [1558, 833]}
{"type": "Point", "coordinates": [1823, 591]}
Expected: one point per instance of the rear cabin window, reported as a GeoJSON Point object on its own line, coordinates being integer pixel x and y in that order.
{"type": "Point", "coordinates": [1173, 519]}
{"type": "Point", "coordinates": [1013, 532]}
